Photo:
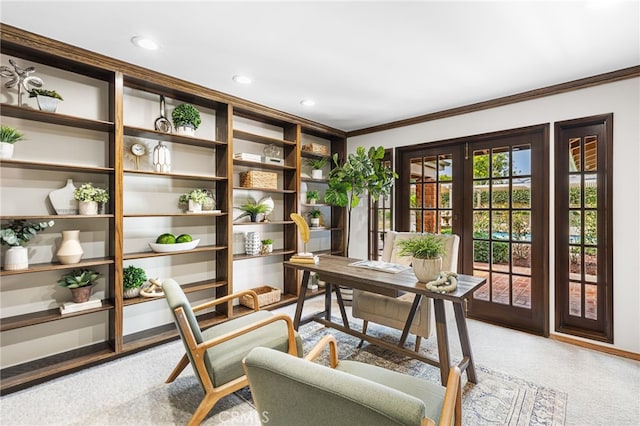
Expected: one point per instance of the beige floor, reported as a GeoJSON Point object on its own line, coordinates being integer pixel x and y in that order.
{"type": "Point", "coordinates": [602, 389]}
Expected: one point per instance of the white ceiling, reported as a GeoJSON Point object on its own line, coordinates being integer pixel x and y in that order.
{"type": "Point", "coordinates": [365, 63]}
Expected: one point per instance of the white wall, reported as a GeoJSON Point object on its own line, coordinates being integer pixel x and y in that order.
{"type": "Point", "coordinates": [620, 98]}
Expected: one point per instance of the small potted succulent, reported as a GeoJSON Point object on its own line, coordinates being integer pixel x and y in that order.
{"type": "Point", "coordinates": [314, 217]}
{"type": "Point", "coordinates": [267, 246]}
{"type": "Point", "coordinates": [132, 280]}
{"type": "Point", "coordinates": [253, 209]}
{"type": "Point", "coordinates": [427, 251]}
{"type": "Point", "coordinates": [80, 282]}
{"type": "Point", "coordinates": [312, 196]}
{"type": "Point", "coordinates": [193, 200]}
{"type": "Point", "coordinates": [316, 166]}
{"type": "Point", "coordinates": [186, 119]}
{"type": "Point", "coordinates": [47, 99]}
{"type": "Point", "coordinates": [16, 234]}
{"type": "Point", "coordinates": [8, 136]}
{"type": "Point", "coordinates": [89, 196]}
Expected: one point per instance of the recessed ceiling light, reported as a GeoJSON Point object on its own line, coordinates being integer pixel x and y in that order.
{"type": "Point", "coordinates": [307, 102]}
{"type": "Point", "coordinates": [144, 42]}
{"type": "Point", "coordinates": [242, 79]}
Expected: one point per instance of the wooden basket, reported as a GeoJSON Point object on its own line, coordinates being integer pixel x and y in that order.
{"type": "Point", "coordinates": [258, 179]}
{"type": "Point", "coordinates": [316, 148]}
{"type": "Point", "coordinates": [266, 296]}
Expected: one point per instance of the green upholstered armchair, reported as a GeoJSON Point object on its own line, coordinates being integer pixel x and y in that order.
{"type": "Point", "coordinates": [216, 353]}
{"type": "Point", "coordinates": [292, 391]}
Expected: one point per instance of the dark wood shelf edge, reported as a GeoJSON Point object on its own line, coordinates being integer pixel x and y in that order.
{"type": "Point", "coordinates": [44, 267]}
{"type": "Point", "coordinates": [146, 254]}
{"type": "Point", "coordinates": [187, 288]}
{"type": "Point", "coordinates": [253, 137]}
{"type": "Point", "coordinates": [49, 315]}
{"type": "Point", "coordinates": [52, 166]}
{"type": "Point", "coordinates": [171, 137]}
{"type": "Point", "coordinates": [55, 118]}
{"type": "Point", "coordinates": [279, 252]}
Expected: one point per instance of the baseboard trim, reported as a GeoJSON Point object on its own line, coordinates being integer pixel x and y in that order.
{"type": "Point", "coordinates": [595, 347]}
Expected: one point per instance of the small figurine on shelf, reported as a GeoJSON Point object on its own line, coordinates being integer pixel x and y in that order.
{"type": "Point", "coordinates": [20, 78]}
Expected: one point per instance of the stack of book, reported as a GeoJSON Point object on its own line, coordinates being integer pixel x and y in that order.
{"type": "Point", "coordinates": [304, 258]}
{"type": "Point", "coordinates": [247, 157]}
{"type": "Point", "coordinates": [71, 307]}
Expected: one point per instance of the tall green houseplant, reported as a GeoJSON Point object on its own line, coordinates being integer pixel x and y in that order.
{"type": "Point", "coordinates": [361, 173]}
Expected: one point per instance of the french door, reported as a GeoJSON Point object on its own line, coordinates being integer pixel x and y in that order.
{"type": "Point", "coordinates": [491, 190]}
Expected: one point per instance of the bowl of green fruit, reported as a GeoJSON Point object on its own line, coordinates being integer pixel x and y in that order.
{"type": "Point", "coordinates": [167, 243]}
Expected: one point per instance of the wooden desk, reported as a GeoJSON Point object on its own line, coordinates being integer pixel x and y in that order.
{"type": "Point", "coordinates": [335, 271]}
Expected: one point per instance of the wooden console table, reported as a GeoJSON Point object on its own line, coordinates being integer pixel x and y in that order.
{"type": "Point", "coordinates": [335, 271]}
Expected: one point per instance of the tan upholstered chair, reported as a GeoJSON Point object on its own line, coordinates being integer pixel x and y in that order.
{"type": "Point", "coordinates": [393, 312]}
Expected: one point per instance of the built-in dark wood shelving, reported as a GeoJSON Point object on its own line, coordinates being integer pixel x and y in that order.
{"type": "Point", "coordinates": [55, 118]}
{"type": "Point", "coordinates": [271, 222]}
{"type": "Point", "coordinates": [187, 288]}
{"type": "Point", "coordinates": [309, 154]}
{"type": "Point", "coordinates": [275, 191]}
{"type": "Point", "coordinates": [258, 165]}
{"type": "Point", "coordinates": [147, 254]}
{"type": "Point", "coordinates": [311, 180]}
{"type": "Point", "coordinates": [278, 252]}
{"type": "Point", "coordinates": [240, 134]}
{"type": "Point", "coordinates": [58, 216]}
{"type": "Point", "coordinates": [190, 176]}
{"type": "Point", "coordinates": [170, 137]}
{"type": "Point", "coordinates": [53, 166]}
{"type": "Point", "coordinates": [35, 318]}
{"type": "Point", "coordinates": [54, 266]}
{"type": "Point", "coordinates": [176, 214]}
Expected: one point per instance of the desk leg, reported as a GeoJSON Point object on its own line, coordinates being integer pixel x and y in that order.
{"type": "Point", "coordinates": [410, 317]}
{"type": "Point", "coordinates": [443, 339]}
{"type": "Point", "coordinates": [303, 294]}
{"type": "Point", "coordinates": [463, 333]}
{"type": "Point", "coordinates": [327, 301]}
{"type": "Point", "coordinates": [343, 313]}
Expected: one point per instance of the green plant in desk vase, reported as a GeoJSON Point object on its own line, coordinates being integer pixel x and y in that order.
{"type": "Point", "coordinates": [427, 251]}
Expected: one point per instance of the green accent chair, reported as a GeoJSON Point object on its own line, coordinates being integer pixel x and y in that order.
{"type": "Point", "coordinates": [292, 391]}
{"type": "Point", "coordinates": [216, 353]}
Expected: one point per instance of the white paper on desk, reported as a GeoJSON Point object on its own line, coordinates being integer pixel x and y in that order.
{"type": "Point", "coordinates": [379, 265]}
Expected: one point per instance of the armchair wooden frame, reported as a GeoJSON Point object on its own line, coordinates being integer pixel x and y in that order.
{"type": "Point", "coordinates": [212, 393]}
{"type": "Point", "coordinates": [451, 407]}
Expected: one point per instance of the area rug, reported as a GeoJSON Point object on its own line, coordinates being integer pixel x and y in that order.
{"type": "Point", "coordinates": [131, 390]}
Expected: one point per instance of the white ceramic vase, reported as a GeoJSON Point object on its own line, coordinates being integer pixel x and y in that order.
{"type": "Point", "coordinates": [315, 222]}
{"type": "Point", "coordinates": [88, 207]}
{"type": "Point", "coordinates": [316, 174]}
{"type": "Point", "coordinates": [161, 158]}
{"type": "Point", "coordinates": [62, 199]}
{"type": "Point", "coordinates": [130, 293]}
{"type": "Point", "coordinates": [426, 270]}
{"type": "Point", "coordinates": [70, 250]}
{"type": "Point", "coordinates": [47, 103]}
{"type": "Point", "coordinates": [17, 257]}
{"type": "Point", "coordinates": [194, 207]}
{"type": "Point", "coordinates": [186, 131]}
{"type": "Point", "coordinates": [252, 243]}
{"type": "Point", "coordinates": [6, 150]}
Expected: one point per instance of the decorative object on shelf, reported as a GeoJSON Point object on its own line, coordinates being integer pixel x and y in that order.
{"type": "Point", "coordinates": [252, 243]}
{"type": "Point", "coordinates": [252, 209]}
{"type": "Point", "coordinates": [8, 136]}
{"type": "Point", "coordinates": [427, 251]}
{"type": "Point", "coordinates": [314, 217]}
{"type": "Point", "coordinates": [209, 203]}
{"type": "Point", "coordinates": [362, 172]}
{"type": "Point", "coordinates": [186, 119]}
{"type": "Point", "coordinates": [70, 250]}
{"type": "Point", "coordinates": [71, 307]}
{"type": "Point", "coordinates": [153, 289]}
{"type": "Point", "coordinates": [272, 154]}
{"type": "Point", "coordinates": [193, 200]}
{"type": "Point", "coordinates": [80, 282]}
{"type": "Point", "coordinates": [312, 196]}
{"type": "Point", "coordinates": [47, 99]}
{"type": "Point", "coordinates": [88, 197]}
{"type": "Point", "coordinates": [63, 199]}
{"type": "Point", "coordinates": [16, 234]}
{"type": "Point", "coordinates": [266, 296]}
{"type": "Point", "coordinates": [305, 234]}
{"type": "Point", "coordinates": [167, 243]}
{"type": "Point", "coordinates": [316, 166]}
{"type": "Point", "coordinates": [162, 124]}
{"type": "Point", "coordinates": [136, 151]}
{"type": "Point", "coordinates": [20, 78]}
{"type": "Point", "coordinates": [245, 156]}
{"type": "Point", "coordinates": [316, 148]}
{"type": "Point", "coordinates": [267, 246]}
{"type": "Point", "coordinates": [446, 282]}
{"type": "Point", "coordinates": [268, 202]}
{"type": "Point", "coordinates": [259, 179]}
{"type": "Point", "coordinates": [161, 158]}
{"type": "Point", "coordinates": [132, 280]}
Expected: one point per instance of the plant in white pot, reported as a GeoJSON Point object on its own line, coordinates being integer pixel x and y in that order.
{"type": "Point", "coordinates": [89, 196]}
{"type": "Point", "coordinates": [267, 246]}
{"type": "Point", "coordinates": [132, 280]}
{"type": "Point", "coordinates": [427, 251]}
{"type": "Point", "coordinates": [80, 282]}
{"type": "Point", "coordinates": [47, 99]}
{"type": "Point", "coordinates": [186, 119]}
{"type": "Point", "coordinates": [314, 217]}
{"type": "Point", "coordinates": [8, 136]}
{"type": "Point", "coordinates": [15, 234]}
{"type": "Point", "coordinates": [317, 164]}
{"type": "Point", "coordinates": [193, 200]}
{"type": "Point", "coordinates": [312, 196]}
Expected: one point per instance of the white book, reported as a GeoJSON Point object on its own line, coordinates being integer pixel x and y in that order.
{"type": "Point", "coordinates": [71, 307]}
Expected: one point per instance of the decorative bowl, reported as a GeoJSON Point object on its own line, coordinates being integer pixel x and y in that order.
{"type": "Point", "coordinates": [168, 248]}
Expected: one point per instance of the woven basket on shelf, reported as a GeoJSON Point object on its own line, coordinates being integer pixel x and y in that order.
{"type": "Point", "coordinates": [316, 148]}
{"type": "Point", "coordinates": [266, 296]}
{"type": "Point", "coordinates": [258, 179]}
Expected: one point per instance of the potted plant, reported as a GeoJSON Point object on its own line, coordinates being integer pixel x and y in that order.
{"type": "Point", "coordinates": [186, 119]}
{"type": "Point", "coordinates": [193, 200]}
{"type": "Point", "coordinates": [89, 196]}
{"type": "Point", "coordinates": [314, 217]}
{"type": "Point", "coordinates": [362, 172]}
{"type": "Point", "coordinates": [132, 280]}
{"type": "Point", "coordinates": [267, 246]}
{"type": "Point", "coordinates": [8, 136]}
{"type": "Point", "coordinates": [253, 209]}
{"type": "Point", "coordinates": [47, 99]}
{"type": "Point", "coordinates": [427, 251]}
{"type": "Point", "coordinates": [312, 197]}
{"type": "Point", "coordinates": [15, 234]}
{"type": "Point", "coordinates": [316, 166]}
{"type": "Point", "coordinates": [80, 282]}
